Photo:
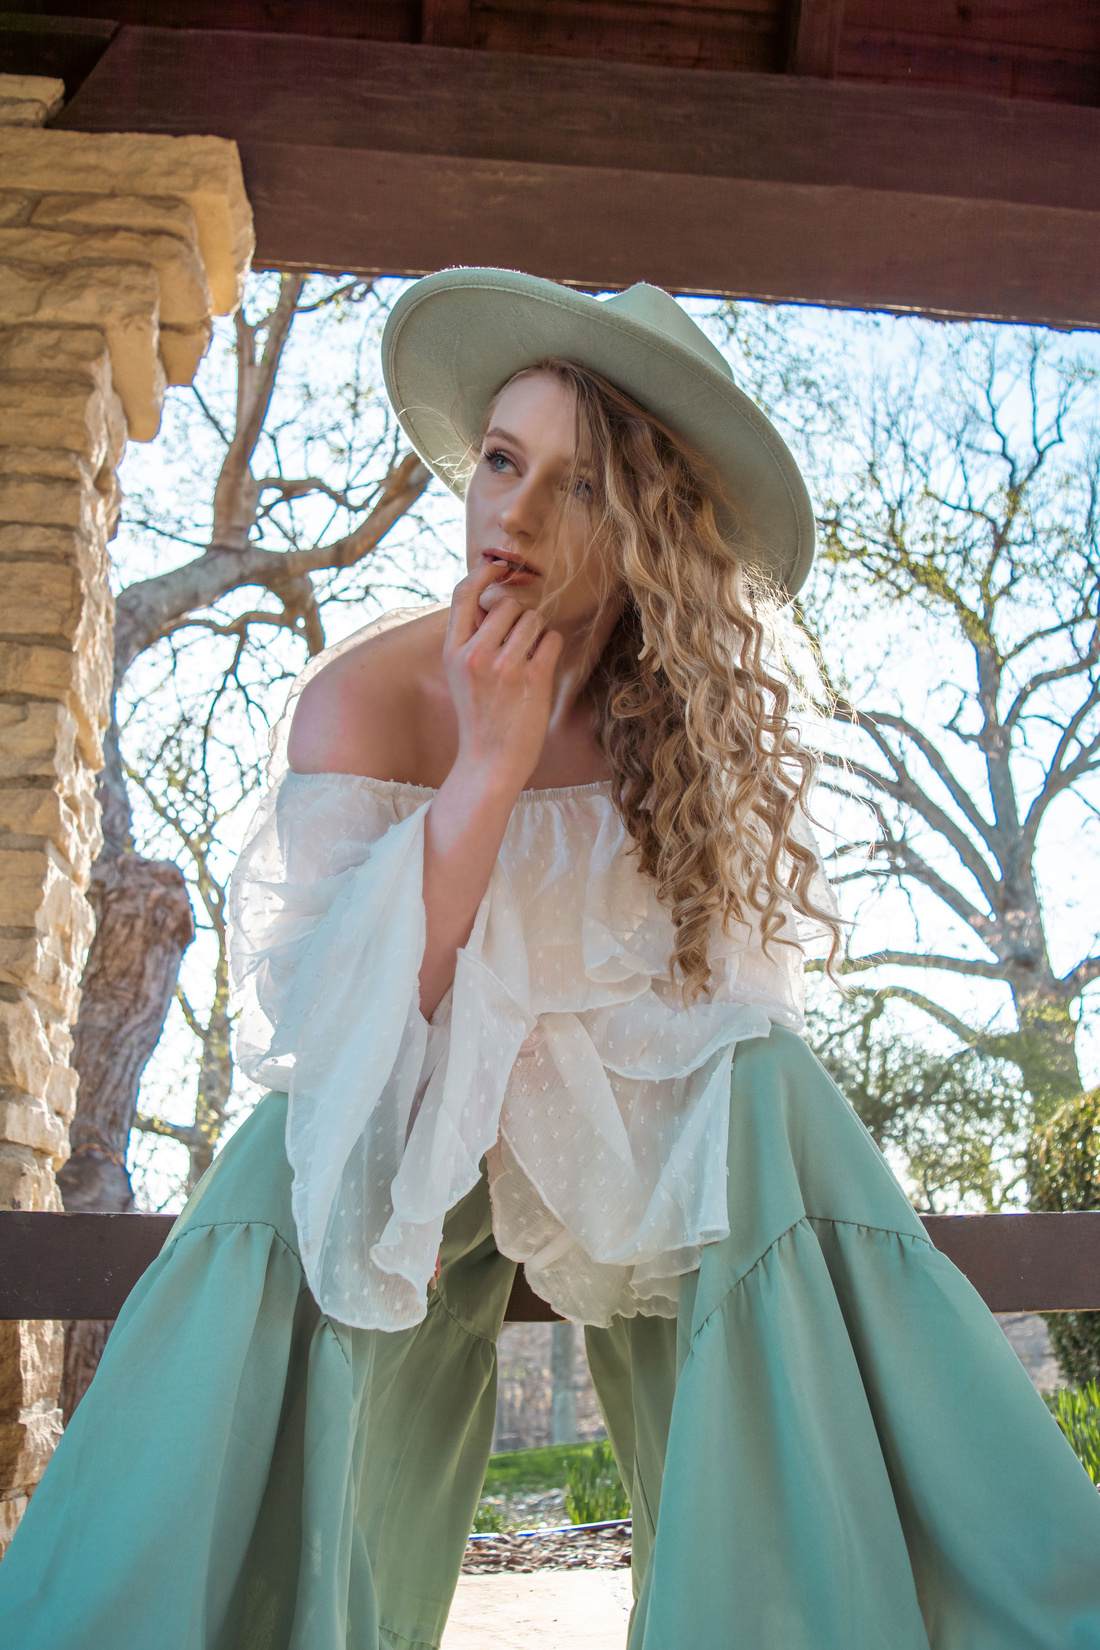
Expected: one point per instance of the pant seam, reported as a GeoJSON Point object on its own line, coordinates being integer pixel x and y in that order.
{"type": "Point", "coordinates": [807, 1220]}
{"type": "Point", "coordinates": [474, 1334]}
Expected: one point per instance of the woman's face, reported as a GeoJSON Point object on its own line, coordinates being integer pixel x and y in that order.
{"type": "Point", "coordinates": [517, 512]}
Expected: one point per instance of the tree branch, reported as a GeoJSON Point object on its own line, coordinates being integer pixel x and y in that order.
{"type": "Point", "coordinates": [151, 608]}
{"type": "Point", "coordinates": [976, 967]}
{"type": "Point", "coordinates": [233, 500]}
{"type": "Point", "coordinates": [903, 788]}
{"type": "Point", "coordinates": [1078, 978]}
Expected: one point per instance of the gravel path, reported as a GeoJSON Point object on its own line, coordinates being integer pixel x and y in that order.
{"type": "Point", "coordinates": [584, 1547]}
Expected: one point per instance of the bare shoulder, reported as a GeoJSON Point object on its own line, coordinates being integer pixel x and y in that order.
{"type": "Point", "coordinates": [364, 712]}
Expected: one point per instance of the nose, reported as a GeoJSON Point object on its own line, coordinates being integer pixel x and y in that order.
{"type": "Point", "coordinates": [523, 513]}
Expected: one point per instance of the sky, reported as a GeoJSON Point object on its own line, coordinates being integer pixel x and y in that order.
{"type": "Point", "coordinates": [168, 484]}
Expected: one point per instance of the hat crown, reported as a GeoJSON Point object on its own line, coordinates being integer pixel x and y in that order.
{"type": "Point", "coordinates": [655, 309]}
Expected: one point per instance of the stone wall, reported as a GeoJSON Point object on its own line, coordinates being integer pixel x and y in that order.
{"type": "Point", "coordinates": [115, 252]}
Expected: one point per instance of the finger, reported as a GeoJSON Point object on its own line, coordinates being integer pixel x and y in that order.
{"type": "Point", "coordinates": [523, 637]}
{"type": "Point", "coordinates": [497, 623]}
{"type": "Point", "coordinates": [545, 657]}
{"type": "Point", "coordinates": [464, 617]}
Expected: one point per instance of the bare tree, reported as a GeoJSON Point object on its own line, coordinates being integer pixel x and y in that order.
{"type": "Point", "coordinates": [959, 631]}
{"type": "Point", "coordinates": [279, 544]}
{"type": "Point", "coordinates": [954, 1120]}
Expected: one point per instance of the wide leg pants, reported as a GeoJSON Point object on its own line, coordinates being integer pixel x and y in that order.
{"type": "Point", "coordinates": [833, 1448]}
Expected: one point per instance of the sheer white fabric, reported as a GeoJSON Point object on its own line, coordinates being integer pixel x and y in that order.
{"type": "Point", "coordinates": [562, 1054]}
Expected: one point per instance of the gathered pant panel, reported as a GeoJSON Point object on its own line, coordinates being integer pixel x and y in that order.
{"type": "Point", "coordinates": [246, 1474]}
{"type": "Point", "coordinates": [832, 1448]}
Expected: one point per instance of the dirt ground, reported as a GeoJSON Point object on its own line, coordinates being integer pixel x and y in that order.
{"type": "Point", "coordinates": [543, 1610]}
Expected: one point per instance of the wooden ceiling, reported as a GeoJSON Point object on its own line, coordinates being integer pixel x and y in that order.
{"type": "Point", "coordinates": [1042, 49]}
{"type": "Point", "coordinates": [939, 156]}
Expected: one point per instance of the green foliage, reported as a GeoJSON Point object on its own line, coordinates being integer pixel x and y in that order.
{"type": "Point", "coordinates": [954, 1117]}
{"type": "Point", "coordinates": [526, 1471]}
{"type": "Point", "coordinates": [1063, 1164]}
{"type": "Point", "coordinates": [1077, 1412]}
{"type": "Point", "coordinates": [593, 1489]}
{"type": "Point", "coordinates": [488, 1520]}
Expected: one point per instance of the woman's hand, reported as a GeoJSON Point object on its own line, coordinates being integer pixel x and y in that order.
{"type": "Point", "coordinates": [500, 670]}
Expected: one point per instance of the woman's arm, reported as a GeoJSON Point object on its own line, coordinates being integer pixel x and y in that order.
{"type": "Point", "coordinates": [364, 715]}
{"type": "Point", "coordinates": [500, 671]}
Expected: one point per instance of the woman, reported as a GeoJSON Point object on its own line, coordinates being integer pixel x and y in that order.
{"type": "Point", "coordinates": [518, 930]}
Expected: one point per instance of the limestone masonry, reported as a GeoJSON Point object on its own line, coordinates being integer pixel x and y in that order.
{"type": "Point", "coordinates": [115, 252]}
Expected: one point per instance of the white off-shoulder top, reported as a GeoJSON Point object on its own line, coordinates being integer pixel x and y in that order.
{"type": "Point", "coordinates": [563, 1054]}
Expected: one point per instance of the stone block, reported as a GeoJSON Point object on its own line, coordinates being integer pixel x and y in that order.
{"type": "Point", "coordinates": [31, 1356]}
{"type": "Point", "coordinates": [37, 892]}
{"type": "Point", "coordinates": [29, 812]}
{"type": "Point", "coordinates": [121, 298]}
{"type": "Point", "coordinates": [181, 350]}
{"type": "Point", "coordinates": [86, 550]}
{"type": "Point", "coordinates": [41, 501]}
{"type": "Point", "coordinates": [61, 1099]}
{"type": "Point", "coordinates": [74, 351]}
{"type": "Point", "coordinates": [37, 964]}
{"type": "Point", "coordinates": [27, 1181]}
{"type": "Point", "coordinates": [203, 172]}
{"type": "Point", "coordinates": [181, 280]}
{"type": "Point", "coordinates": [24, 1060]}
{"type": "Point", "coordinates": [36, 1126]}
{"type": "Point", "coordinates": [141, 214]}
{"type": "Point", "coordinates": [73, 417]}
{"type": "Point", "coordinates": [41, 599]}
{"type": "Point", "coordinates": [16, 205]}
{"type": "Point", "coordinates": [26, 1444]}
{"type": "Point", "coordinates": [36, 1350]}
{"type": "Point", "coordinates": [48, 463]}
{"type": "Point", "coordinates": [12, 1507]}
{"type": "Point", "coordinates": [48, 967]}
{"type": "Point", "coordinates": [81, 681]}
{"type": "Point", "coordinates": [29, 99]}
{"type": "Point", "coordinates": [38, 740]}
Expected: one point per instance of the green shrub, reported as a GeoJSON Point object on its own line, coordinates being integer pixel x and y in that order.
{"type": "Point", "coordinates": [488, 1520]}
{"type": "Point", "coordinates": [1063, 1169]}
{"type": "Point", "coordinates": [1077, 1412]}
{"type": "Point", "coordinates": [593, 1489]}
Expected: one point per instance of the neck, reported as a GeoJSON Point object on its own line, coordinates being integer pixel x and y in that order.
{"type": "Point", "coordinates": [583, 648]}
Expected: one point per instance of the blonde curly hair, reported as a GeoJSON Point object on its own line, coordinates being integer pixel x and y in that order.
{"type": "Point", "coordinates": [709, 776]}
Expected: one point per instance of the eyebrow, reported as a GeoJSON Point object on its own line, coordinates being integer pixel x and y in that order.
{"type": "Point", "coordinates": [502, 435]}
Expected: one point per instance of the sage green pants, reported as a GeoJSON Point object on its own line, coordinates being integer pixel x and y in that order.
{"type": "Point", "coordinates": [834, 1448]}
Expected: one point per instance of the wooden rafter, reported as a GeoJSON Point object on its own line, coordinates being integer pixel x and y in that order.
{"type": "Point", "coordinates": [375, 157]}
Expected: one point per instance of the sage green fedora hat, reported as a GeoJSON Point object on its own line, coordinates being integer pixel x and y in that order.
{"type": "Point", "coordinates": [453, 339]}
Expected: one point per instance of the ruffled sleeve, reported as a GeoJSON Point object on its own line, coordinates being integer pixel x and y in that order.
{"type": "Point", "coordinates": [388, 1116]}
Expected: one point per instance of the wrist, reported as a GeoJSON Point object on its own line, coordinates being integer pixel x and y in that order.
{"type": "Point", "coordinates": [486, 780]}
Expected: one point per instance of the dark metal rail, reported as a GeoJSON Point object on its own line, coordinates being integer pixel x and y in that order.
{"type": "Point", "coordinates": [84, 1266]}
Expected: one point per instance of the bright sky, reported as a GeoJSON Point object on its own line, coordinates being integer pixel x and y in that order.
{"type": "Point", "coordinates": [173, 478]}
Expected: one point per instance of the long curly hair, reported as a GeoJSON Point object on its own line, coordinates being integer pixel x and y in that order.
{"type": "Point", "coordinates": [709, 776]}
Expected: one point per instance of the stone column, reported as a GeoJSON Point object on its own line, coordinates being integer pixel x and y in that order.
{"type": "Point", "coordinates": [115, 251]}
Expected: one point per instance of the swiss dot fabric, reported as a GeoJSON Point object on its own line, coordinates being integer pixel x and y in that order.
{"type": "Point", "coordinates": [562, 1053]}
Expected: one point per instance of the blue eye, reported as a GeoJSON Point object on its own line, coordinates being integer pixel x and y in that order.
{"type": "Point", "coordinates": [491, 459]}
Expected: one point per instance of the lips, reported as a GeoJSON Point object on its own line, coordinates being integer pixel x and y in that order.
{"type": "Point", "coordinates": [514, 570]}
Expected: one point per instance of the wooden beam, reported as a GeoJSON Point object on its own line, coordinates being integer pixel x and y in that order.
{"type": "Point", "coordinates": [815, 44]}
{"type": "Point", "coordinates": [1025, 1263]}
{"type": "Point", "coordinates": [447, 22]}
{"type": "Point", "coordinates": [371, 157]}
{"type": "Point", "coordinates": [84, 1266]}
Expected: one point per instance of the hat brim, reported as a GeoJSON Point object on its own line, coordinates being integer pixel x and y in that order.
{"type": "Point", "coordinates": [453, 339]}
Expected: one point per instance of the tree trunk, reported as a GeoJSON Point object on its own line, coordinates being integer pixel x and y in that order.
{"type": "Point", "coordinates": [1045, 1049]}
{"type": "Point", "coordinates": [144, 923]}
